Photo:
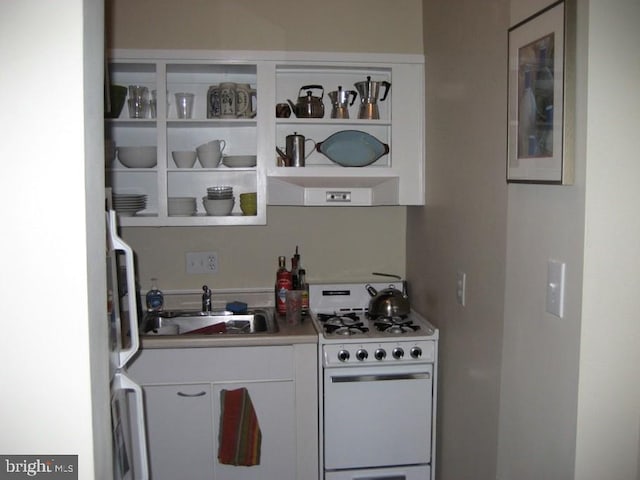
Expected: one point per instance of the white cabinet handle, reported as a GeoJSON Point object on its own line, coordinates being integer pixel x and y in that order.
{"type": "Point", "coordinates": [118, 244]}
{"type": "Point", "coordinates": [122, 382]}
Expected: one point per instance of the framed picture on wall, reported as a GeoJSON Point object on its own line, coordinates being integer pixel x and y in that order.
{"type": "Point", "coordinates": [541, 97]}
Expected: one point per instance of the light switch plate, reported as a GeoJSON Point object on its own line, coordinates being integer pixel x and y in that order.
{"type": "Point", "coordinates": [555, 288]}
{"type": "Point", "coordinates": [461, 288]}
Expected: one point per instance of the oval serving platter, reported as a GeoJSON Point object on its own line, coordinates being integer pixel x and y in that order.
{"type": "Point", "coordinates": [352, 148]}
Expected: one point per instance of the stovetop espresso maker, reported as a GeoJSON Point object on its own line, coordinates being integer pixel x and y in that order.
{"type": "Point", "coordinates": [340, 102]}
{"type": "Point", "coordinates": [369, 91]}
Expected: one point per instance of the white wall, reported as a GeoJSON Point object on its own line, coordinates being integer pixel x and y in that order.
{"type": "Point", "coordinates": [608, 433]}
{"type": "Point", "coordinates": [46, 402]}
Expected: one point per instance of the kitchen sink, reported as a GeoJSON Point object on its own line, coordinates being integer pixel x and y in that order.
{"type": "Point", "coordinates": [185, 322]}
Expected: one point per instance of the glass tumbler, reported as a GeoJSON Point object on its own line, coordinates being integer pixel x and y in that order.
{"type": "Point", "coordinates": [184, 104]}
{"type": "Point", "coordinates": [138, 101]}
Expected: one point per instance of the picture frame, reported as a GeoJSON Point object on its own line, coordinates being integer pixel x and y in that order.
{"type": "Point", "coordinates": [541, 97]}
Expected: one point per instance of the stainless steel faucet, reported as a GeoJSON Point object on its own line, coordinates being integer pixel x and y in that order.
{"type": "Point", "coordinates": [206, 299]}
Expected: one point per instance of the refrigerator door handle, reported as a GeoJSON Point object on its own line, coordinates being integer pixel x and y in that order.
{"type": "Point", "coordinates": [122, 382]}
{"type": "Point", "coordinates": [116, 243]}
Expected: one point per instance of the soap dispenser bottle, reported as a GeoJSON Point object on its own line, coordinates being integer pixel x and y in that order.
{"type": "Point", "coordinates": [155, 298]}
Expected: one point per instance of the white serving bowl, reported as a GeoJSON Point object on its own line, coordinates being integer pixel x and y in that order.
{"type": "Point", "coordinates": [184, 158]}
{"type": "Point", "coordinates": [239, 161]}
{"type": "Point", "coordinates": [218, 207]}
{"type": "Point", "coordinates": [138, 157]}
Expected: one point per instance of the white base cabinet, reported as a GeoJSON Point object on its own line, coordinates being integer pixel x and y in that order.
{"type": "Point", "coordinates": [179, 421]}
{"type": "Point", "coordinates": [182, 399]}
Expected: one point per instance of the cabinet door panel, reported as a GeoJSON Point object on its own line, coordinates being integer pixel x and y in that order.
{"type": "Point", "coordinates": [274, 406]}
{"type": "Point", "coordinates": [179, 431]}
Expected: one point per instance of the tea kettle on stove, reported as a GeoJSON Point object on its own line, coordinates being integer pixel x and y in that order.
{"type": "Point", "coordinates": [369, 91]}
{"type": "Point", "coordinates": [388, 302]}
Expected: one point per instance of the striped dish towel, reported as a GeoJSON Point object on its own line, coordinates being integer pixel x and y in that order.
{"type": "Point", "coordinates": [239, 437]}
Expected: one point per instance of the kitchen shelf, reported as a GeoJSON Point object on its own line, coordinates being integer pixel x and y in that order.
{"type": "Point", "coordinates": [397, 178]}
{"type": "Point", "coordinates": [169, 72]}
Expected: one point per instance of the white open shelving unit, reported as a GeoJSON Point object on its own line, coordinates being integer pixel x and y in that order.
{"type": "Point", "coordinates": [397, 178]}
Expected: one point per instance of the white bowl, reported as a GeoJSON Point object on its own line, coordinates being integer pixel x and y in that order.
{"type": "Point", "coordinates": [218, 207]}
{"type": "Point", "coordinates": [239, 161]}
{"type": "Point", "coordinates": [184, 158]}
{"type": "Point", "coordinates": [138, 157]}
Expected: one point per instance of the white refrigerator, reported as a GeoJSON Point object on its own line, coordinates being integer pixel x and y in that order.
{"type": "Point", "coordinates": [127, 406]}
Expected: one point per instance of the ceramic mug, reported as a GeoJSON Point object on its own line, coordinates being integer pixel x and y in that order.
{"type": "Point", "coordinates": [228, 100]}
{"type": "Point", "coordinates": [210, 154]}
{"type": "Point", "coordinates": [244, 100]}
{"type": "Point", "coordinates": [213, 102]}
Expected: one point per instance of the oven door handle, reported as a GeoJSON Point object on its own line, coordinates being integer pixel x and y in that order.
{"type": "Point", "coordinates": [380, 377]}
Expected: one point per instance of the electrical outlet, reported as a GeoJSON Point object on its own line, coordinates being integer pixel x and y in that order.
{"type": "Point", "coordinates": [202, 262]}
{"type": "Point", "coordinates": [461, 288]}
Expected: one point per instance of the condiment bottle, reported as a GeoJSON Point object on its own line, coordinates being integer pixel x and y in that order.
{"type": "Point", "coordinates": [304, 286]}
{"type": "Point", "coordinates": [283, 285]}
{"type": "Point", "coordinates": [295, 274]}
{"type": "Point", "coordinates": [295, 267]}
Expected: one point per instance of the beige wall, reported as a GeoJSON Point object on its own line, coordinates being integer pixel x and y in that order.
{"type": "Point", "coordinates": [329, 26]}
{"type": "Point", "coordinates": [570, 396]}
{"type": "Point", "coordinates": [374, 237]}
{"type": "Point", "coordinates": [541, 351]}
{"type": "Point", "coordinates": [462, 228]}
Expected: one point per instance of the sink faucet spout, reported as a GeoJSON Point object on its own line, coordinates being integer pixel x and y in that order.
{"type": "Point", "coordinates": [206, 299]}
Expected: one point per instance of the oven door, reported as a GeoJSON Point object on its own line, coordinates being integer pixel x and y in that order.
{"type": "Point", "coordinates": [377, 416]}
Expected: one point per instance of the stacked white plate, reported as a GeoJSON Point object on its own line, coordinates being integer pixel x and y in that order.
{"type": "Point", "coordinates": [182, 206]}
{"type": "Point", "coordinates": [219, 192]}
{"type": "Point", "coordinates": [128, 204]}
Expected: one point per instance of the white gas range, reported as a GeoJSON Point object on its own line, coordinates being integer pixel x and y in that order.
{"type": "Point", "coordinates": [377, 383]}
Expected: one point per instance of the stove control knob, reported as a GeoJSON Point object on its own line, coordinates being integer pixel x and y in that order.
{"type": "Point", "coordinates": [416, 352]}
{"type": "Point", "coordinates": [362, 354]}
{"type": "Point", "coordinates": [397, 353]}
{"type": "Point", "coordinates": [343, 355]}
{"type": "Point", "coordinates": [380, 354]}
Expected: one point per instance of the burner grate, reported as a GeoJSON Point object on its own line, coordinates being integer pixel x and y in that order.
{"type": "Point", "coordinates": [342, 324]}
{"type": "Point", "coordinates": [395, 325]}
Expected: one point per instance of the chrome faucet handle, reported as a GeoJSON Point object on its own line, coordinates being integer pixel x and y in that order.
{"type": "Point", "coordinates": [206, 299]}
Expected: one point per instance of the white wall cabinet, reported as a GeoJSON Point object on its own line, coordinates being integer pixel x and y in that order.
{"type": "Point", "coordinates": [182, 401]}
{"type": "Point", "coordinates": [397, 178]}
